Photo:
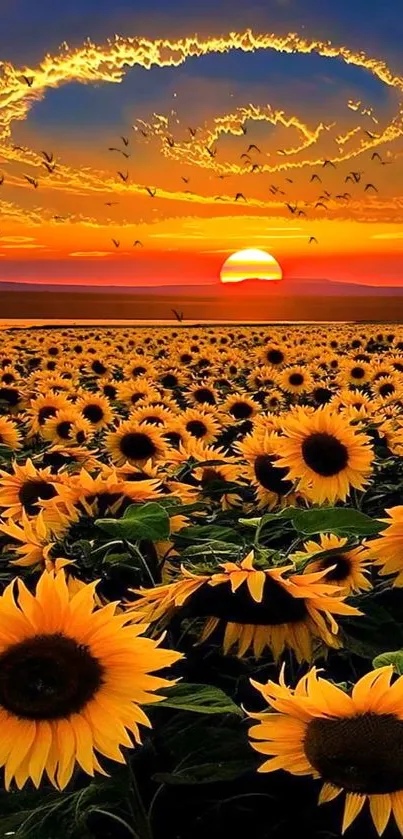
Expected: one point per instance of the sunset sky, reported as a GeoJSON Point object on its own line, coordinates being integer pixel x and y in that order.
{"type": "Point", "coordinates": [184, 90]}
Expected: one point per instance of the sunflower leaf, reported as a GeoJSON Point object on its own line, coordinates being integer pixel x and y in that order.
{"type": "Point", "coordinates": [208, 532]}
{"type": "Point", "coordinates": [202, 699]}
{"type": "Point", "coordinates": [337, 520]}
{"type": "Point", "coordinates": [395, 658]}
{"type": "Point", "coordinates": [148, 521]}
{"type": "Point", "coordinates": [207, 773]}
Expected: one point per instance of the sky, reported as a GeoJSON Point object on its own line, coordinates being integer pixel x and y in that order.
{"type": "Point", "coordinates": [175, 134]}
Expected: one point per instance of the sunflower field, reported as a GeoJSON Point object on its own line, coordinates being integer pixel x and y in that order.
{"type": "Point", "coordinates": [201, 568]}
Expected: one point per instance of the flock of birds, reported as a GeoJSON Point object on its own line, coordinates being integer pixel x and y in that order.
{"type": "Point", "coordinates": [251, 166]}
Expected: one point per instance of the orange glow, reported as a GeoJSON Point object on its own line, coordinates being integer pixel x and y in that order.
{"type": "Point", "coordinates": [250, 264]}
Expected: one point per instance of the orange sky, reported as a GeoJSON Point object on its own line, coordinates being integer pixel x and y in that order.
{"type": "Point", "coordinates": [212, 196]}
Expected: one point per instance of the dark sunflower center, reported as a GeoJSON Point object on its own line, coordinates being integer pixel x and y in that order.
{"type": "Point", "coordinates": [64, 429]}
{"type": "Point", "coordinates": [33, 491]}
{"type": "Point", "coordinates": [386, 389]}
{"type": "Point", "coordinates": [322, 395]}
{"type": "Point", "coordinates": [203, 394]}
{"type": "Point", "coordinates": [362, 754]}
{"type": "Point", "coordinates": [93, 413]}
{"type": "Point", "coordinates": [173, 437]}
{"type": "Point", "coordinates": [98, 367]}
{"type": "Point", "coordinates": [154, 420]}
{"type": "Point", "coordinates": [358, 372]}
{"type": "Point", "coordinates": [342, 570]}
{"type": "Point", "coordinates": [169, 380]}
{"type": "Point", "coordinates": [7, 394]}
{"type": "Point", "coordinates": [270, 476]}
{"type": "Point", "coordinates": [137, 446]}
{"type": "Point", "coordinates": [109, 391]}
{"type": "Point", "coordinates": [8, 378]}
{"type": "Point", "coordinates": [197, 428]}
{"type": "Point", "coordinates": [241, 410]}
{"type": "Point", "coordinates": [45, 413]}
{"type": "Point", "coordinates": [296, 379]}
{"type": "Point", "coordinates": [325, 454]}
{"type": "Point", "coordinates": [277, 606]}
{"type": "Point", "coordinates": [48, 677]}
{"type": "Point", "coordinates": [139, 370]}
{"type": "Point", "coordinates": [275, 356]}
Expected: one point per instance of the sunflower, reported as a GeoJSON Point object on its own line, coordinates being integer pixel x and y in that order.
{"type": "Point", "coordinates": [12, 398]}
{"type": "Point", "coordinates": [240, 407]}
{"type": "Point", "coordinates": [200, 424]}
{"type": "Point", "coordinates": [35, 537]}
{"type": "Point", "coordinates": [137, 369]}
{"type": "Point", "coordinates": [268, 480]}
{"type": "Point", "coordinates": [73, 679]}
{"type": "Point", "coordinates": [260, 608]}
{"type": "Point", "coordinates": [26, 487]}
{"type": "Point", "coordinates": [356, 373]}
{"type": "Point", "coordinates": [272, 356]}
{"type": "Point", "coordinates": [58, 457]}
{"type": "Point", "coordinates": [138, 391]}
{"type": "Point", "coordinates": [203, 394]}
{"type": "Point", "coordinates": [43, 408]}
{"type": "Point", "coordinates": [346, 569]}
{"type": "Point", "coordinates": [387, 548]}
{"type": "Point", "coordinates": [9, 434]}
{"type": "Point", "coordinates": [295, 379]}
{"type": "Point", "coordinates": [96, 409]}
{"type": "Point", "coordinates": [135, 442]}
{"type": "Point", "coordinates": [387, 388]}
{"type": "Point", "coordinates": [156, 415]}
{"type": "Point", "coordinates": [353, 743]}
{"type": "Point", "coordinates": [324, 454]}
{"type": "Point", "coordinates": [68, 426]}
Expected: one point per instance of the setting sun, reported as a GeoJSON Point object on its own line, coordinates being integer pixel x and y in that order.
{"type": "Point", "coordinates": [250, 264]}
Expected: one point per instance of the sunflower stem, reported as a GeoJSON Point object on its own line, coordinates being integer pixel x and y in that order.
{"type": "Point", "coordinates": [117, 819]}
{"type": "Point", "coordinates": [139, 810]}
{"type": "Point", "coordinates": [134, 550]}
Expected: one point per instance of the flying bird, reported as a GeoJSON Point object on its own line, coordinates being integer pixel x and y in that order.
{"type": "Point", "coordinates": [370, 135]}
{"type": "Point", "coordinates": [192, 131]}
{"type": "Point", "coordinates": [320, 204]}
{"type": "Point", "coordinates": [328, 163]}
{"type": "Point", "coordinates": [47, 166]}
{"type": "Point", "coordinates": [281, 151]}
{"type": "Point", "coordinates": [315, 178]}
{"type": "Point", "coordinates": [252, 146]}
{"type": "Point", "coordinates": [244, 129]}
{"type": "Point", "coordinates": [125, 154]}
{"type": "Point", "coordinates": [185, 180]}
{"type": "Point", "coordinates": [32, 181]}
{"type": "Point", "coordinates": [137, 242]}
{"type": "Point", "coordinates": [60, 218]}
{"type": "Point", "coordinates": [301, 213]}
{"type": "Point", "coordinates": [116, 243]}
{"type": "Point", "coordinates": [111, 203]}
{"type": "Point", "coordinates": [357, 176]}
{"type": "Point", "coordinates": [170, 141]}
{"type": "Point", "coordinates": [48, 156]}
{"type": "Point", "coordinates": [256, 168]}
{"type": "Point", "coordinates": [218, 198]}
{"type": "Point", "coordinates": [240, 195]}
{"type": "Point", "coordinates": [211, 152]}
{"type": "Point", "coordinates": [29, 80]}
{"type": "Point", "coordinates": [345, 195]}
{"type": "Point", "coordinates": [291, 208]}
{"type": "Point", "coordinates": [1, 180]}
{"type": "Point", "coordinates": [370, 186]}
{"type": "Point", "coordinates": [312, 239]}
{"type": "Point", "coordinates": [151, 192]}
{"type": "Point", "coordinates": [124, 177]}
{"type": "Point", "coordinates": [289, 180]}
{"type": "Point", "coordinates": [178, 315]}
{"type": "Point", "coordinates": [125, 140]}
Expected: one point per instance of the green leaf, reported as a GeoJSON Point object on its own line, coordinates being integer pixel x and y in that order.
{"type": "Point", "coordinates": [370, 634]}
{"type": "Point", "coordinates": [209, 533]}
{"type": "Point", "coordinates": [339, 520]}
{"type": "Point", "coordinates": [210, 549]}
{"type": "Point", "coordinates": [202, 699]}
{"type": "Point", "coordinates": [395, 658]}
{"type": "Point", "coordinates": [148, 521]}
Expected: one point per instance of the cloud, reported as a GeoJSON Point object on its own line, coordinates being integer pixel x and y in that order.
{"type": "Point", "coordinates": [17, 239]}
{"type": "Point", "coordinates": [90, 253]}
{"type": "Point", "coordinates": [22, 246]}
{"type": "Point", "coordinates": [388, 236]}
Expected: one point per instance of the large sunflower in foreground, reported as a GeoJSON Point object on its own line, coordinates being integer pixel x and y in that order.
{"type": "Point", "coordinates": [259, 608]}
{"type": "Point", "coordinates": [324, 453]}
{"type": "Point", "coordinates": [72, 681]}
{"type": "Point", "coordinates": [345, 568]}
{"type": "Point", "coordinates": [353, 743]}
{"type": "Point", "coordinates": [387, 548]}
{"type": "Point", "coordinates": [26, 486]}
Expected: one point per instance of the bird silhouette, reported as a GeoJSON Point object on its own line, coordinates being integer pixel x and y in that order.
{"type": "Point", "coordinates": [289, 180]}
{"type": "Point", "coordinates": [116, 243]}
{"type": "Point", "coordinates": [185, 180]}
{"type": "Point", "coordinates": [60, 218]}
{"type": "Point", "coordinates": [372, 136]}
{"type": "Point", "coordinates": [291, 208]}
{"type": "Point", "coordinates": [32, 181]}
{"type": "Point", "coordinates": [29, 80]}
{"type": "Point", "coordinates": [178, 315]}
{"type": "Point", "coordinates": [370, 186]}
{"type": "Point", "coordinates": [312, 239]}
{"type": "Point", "coordinates": [240, 195]}
{"type": "Point", "coordinates": [125, 140]}
{"type": "Point", "coordinates": [211, 152]}
{"type": "Point", "coordinates": [256, 168]}
{"type": "Point", "coordinates": [274, 189]}
{"type": "Point", "coordinates": [357, 176]}
{"type": "Point", "coordinates": [375, 156]}
{"type": "Point", "coordinates": [328, 194]}
{"type": "Point", "coordinates": [349, 178]}
{"type": "Point", "coordinates": [1, 180]}
{"type": "Point", "coordinates": [320, 204]}
{"type": "Point", "coordinates": [281, 151]}
{"type": "Point", "coordinates": [48, 156]}
{"type": "Point", "coordinates": [137, 242]}
{"type": "Point", "coordinates": [192, 131]}
{"type": "Point", "coordinates": [144, 133]}
{"type": "Point", "coordinates": [120, 151]}
{"type": "Point", "coordinates": [345, 195]}
{"type": "Point", "coordinates": [328, 163]}
{"type": "Point", "coordinates": [170, 141]}
{"type": "Point", "coordinates": [315, 178]}
{"type": "Point", "coordinates": [301, 213]}
{"type": "Point", "coordinates": [18, 148]}
{"type": "Point", "coordinates": [124, 177]}
{"type": "Point", "coordinates": [47, 166]}
{"type": "Point", "coordinates": [253, 146]}
{"type": "Point", "coordinates": [246, 156]}
{"type": "Point", "coordinates": [111, 203]}
{"type": "Point", "coordinates": [218, 198]}
{"type": "Point", "coordinates": [244, 129]}
{"type": "Point", "coordinates": [151, 192]}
